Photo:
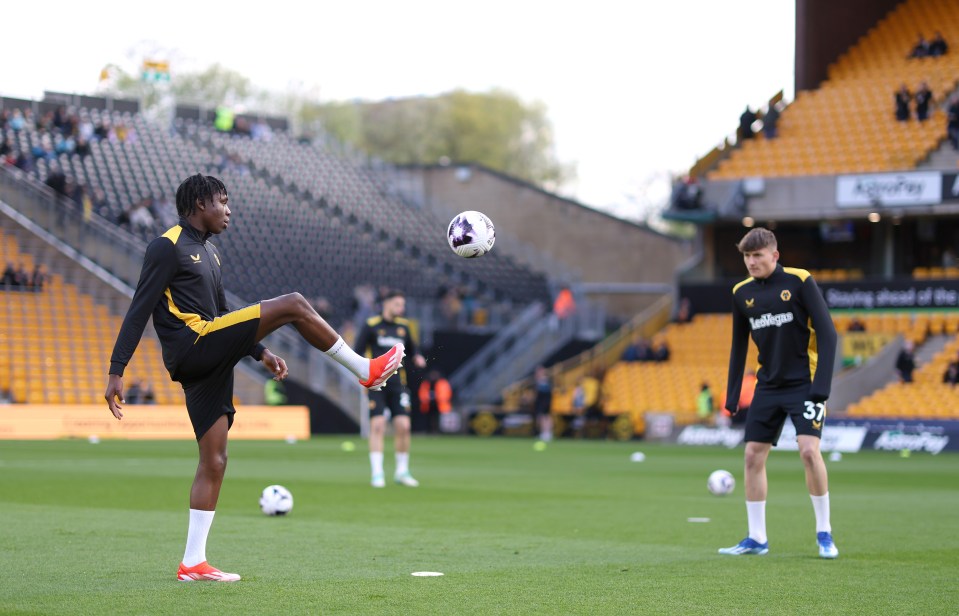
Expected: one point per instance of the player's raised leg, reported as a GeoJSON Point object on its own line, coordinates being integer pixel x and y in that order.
{"type": "Point", "coordinates": [294, 309]}
{"type": "Point", "coordinates": [756, 488]}
{"type": "Point", "coordinates": [401, 440]}
{"type": "Point", "coordinates": [817, 481]}
{"type": "Point", "coordinates": [203, 498]}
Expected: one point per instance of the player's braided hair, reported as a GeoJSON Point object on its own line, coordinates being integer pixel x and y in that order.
{"type": "Point", "coordinates": [197, 187]}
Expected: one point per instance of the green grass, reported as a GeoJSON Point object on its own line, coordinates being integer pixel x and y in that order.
{"type": "Point", "coordinates": [576, 529]}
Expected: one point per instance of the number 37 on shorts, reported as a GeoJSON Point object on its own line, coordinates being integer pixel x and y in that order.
{"type": "Point", "coordinates": [815, 412]}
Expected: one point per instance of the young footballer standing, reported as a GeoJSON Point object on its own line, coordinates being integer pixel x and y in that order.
{"type": "Point", "coordinates": [784, 311]}
{"type": "Point", "coordinates": [181, 286]}
{"type": "Point", "coordinates": [385, 331]}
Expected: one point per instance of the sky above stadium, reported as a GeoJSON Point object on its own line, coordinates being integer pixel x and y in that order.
{"type": "Point", "coordinates": [636, 90]}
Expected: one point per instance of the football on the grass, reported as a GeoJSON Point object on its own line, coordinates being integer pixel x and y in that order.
{"type": "Point", "coordinates": [276, 500]}
{"type": "Point", "coordinates": [721, 483]}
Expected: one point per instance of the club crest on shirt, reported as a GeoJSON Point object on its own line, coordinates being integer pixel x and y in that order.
{"type": "Point", "coordinates": [785, 295]}
{"type": "Point", "coordinates": [750, 303]}
{"type": "Point", "coordinates": [196, 257]}
{"type": "Point", "coordinates": [400, 331]}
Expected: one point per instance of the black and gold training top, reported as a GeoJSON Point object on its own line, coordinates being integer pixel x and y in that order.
{"type": "Point", "coordinates": [182, 287]}
{"type": "Point", "coordinates": [377, 336]}
{"type": "Point", "coordinates": [788, 319]}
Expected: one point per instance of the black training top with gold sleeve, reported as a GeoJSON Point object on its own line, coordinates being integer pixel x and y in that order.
{"type": "Point", "coordinates": [182, 287]}
{"type": "Point", "coordinates": [788, 319]}
{"type": "Point", "coordinates": [377, 336]}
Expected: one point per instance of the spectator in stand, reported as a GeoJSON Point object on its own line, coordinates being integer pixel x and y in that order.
{"type": "Point", "coordinates": [17, 121]}
{"type": "Point", "coordinates": [564, 306]}
{"type": "Point", "coordinates": [147, 395]}
{"type": "Point", "coordinates": [4, 119]}
{"type": "Point", "coordinates": [661, 350]}
{"type": "Point", "coordinates": [141, 219]}
{"type": "Point", "coordinates": [134, 392]}
{"type": "Point", "coordinates": [22, 276]}
{"type": "Point", "coordinates": [705, 406]}
{"type": "Point", "coordinates": [101, 130]}
{"type": "Point", "coordinates": [57, 180]}
{"type": "Point", "coordinates": [436, 398]}
{"type": "Point", "coordinates": [938, 46]}
{"type": "Point", "coordinates": [261, 131]}
{"type": "Point", "coordinates": [951, 375]}
{"type": "Point", "coordinates": [6, 148]}
{"type": "Point", "coordinates": [903, 97]}
{"type": "Point", "coordinates": [921, 49]}
{"type": "Point", "coordinates": [952, 117]}
{"type": "Point", "coordinates": [686, 194]}
{"type": "Point", "coordinates": [543, 403]}
{"type": "Point", "coordinates": [923, 99]}
{"type": "Point", "coordinates": [85, 130]}
{"type": "Point", "coordinates": [83, 147]}
{"type": "Point", "coordinates": [770, 122]}
{"type": "Point", "coordinates": [638, 350]}
{"type": "Point", "coordinates": [906, 362]}
{"type": "Point", "coordinates": [24, 163]}
{"type": "Point", "coordinates": [685, 312]}
{"type": "Point", "coordinates": [746, 125]}
{"type": "Point", "coordinates": [39, 277]}
{"type": "Point", "coordinates": [856, 325]}
{"type": "Point", "coordinates": [9, 277]}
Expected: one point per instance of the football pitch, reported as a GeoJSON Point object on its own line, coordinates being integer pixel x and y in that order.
{"type": "Point", "coordinates": [574, 529]}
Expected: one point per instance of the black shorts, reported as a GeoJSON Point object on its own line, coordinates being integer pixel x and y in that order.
{"type": "Point", "coordinates": [769, 408]}
{"type": "Point", "coordinates": [542, 403]}
{"type": "Point", "coordinates": [206, 373]}
{"type": "Point", "coordinates": [396, 398]}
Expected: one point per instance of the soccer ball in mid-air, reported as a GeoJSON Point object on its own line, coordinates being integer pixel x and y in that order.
{"type": "Point", "coordinates": [276, 500]}
{"type": "Point", "coordinates": [471, 234]}
{"type": "Point", "coordinates": [721, 483]}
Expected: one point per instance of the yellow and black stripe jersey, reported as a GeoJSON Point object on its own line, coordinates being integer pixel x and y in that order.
{"type": "Point", "coordinates": [182, 287]}
{"type": "Point", "coordinates": [377, 336]}
{"type": "Point", "coordinates": [788, 319]}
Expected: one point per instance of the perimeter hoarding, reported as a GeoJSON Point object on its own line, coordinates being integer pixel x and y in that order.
{"type": "Point", "coordinates": [39, 421]}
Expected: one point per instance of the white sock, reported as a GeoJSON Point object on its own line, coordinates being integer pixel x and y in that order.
{"type": "Point", "coordinates": [820, 504]}
{"type": "Point", "coordinates": [345, 356]}
{"type": "Point", "coordinates": [402, 463]}
{"type": "Point", "coordinates": [376, 462]}
{"type": "Point", "coordinates": [756, 514]}
{"type": "Point", "coordinates": [200, 522]}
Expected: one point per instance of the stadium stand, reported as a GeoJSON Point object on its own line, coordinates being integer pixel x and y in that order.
{"type": "Point", "coordinates": [39, 331]}
{"type": "Point", "coordinates": [847, 125]}
{"type": "Point", "coordinates": [700, 354]}
{"type": "Point", "coordinates": [338, 228]}
{"type": "Point", "coordinates": [927, 397]}
{"type": "Point", "coordinates": [333, 184]}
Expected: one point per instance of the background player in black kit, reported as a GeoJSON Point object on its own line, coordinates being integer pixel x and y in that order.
{"type": "Point", "coordinates": [787, 316]}
{"type": "Point", "coordinates": [384, 331]}
{"type": "Point", "coordinates": [181, 286]}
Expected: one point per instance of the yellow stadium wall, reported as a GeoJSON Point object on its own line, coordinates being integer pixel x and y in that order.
{"type": "Point", "coordinates": [48, 421]}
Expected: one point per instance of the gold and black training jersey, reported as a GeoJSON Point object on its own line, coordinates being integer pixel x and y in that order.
{"type": "Point", "coordinates": [377, 336]}
{"type": "Point", "coordinates": [182, 287]}
{"type": "Point", "coordinates": [788, 319]}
